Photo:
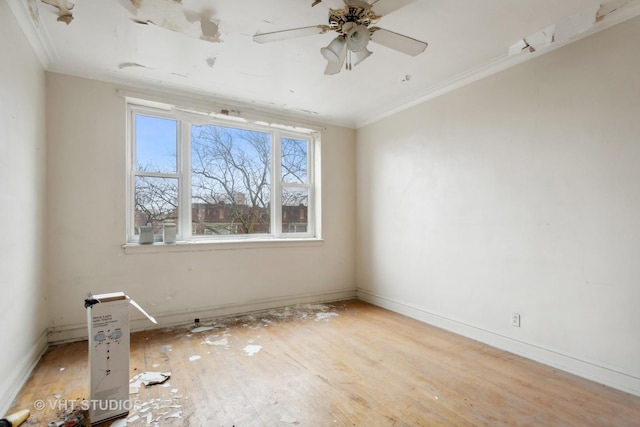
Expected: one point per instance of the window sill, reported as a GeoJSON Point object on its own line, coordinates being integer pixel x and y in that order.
{"type": "Point", "coordinates": [208, 245]}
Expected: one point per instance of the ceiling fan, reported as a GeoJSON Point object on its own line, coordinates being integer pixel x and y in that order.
{"type": "Point", "coordinates": [351, 19]}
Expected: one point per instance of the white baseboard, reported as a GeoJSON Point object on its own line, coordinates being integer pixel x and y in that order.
{"type": "Point", "coordinates": [11, 386]}
{"type": "Point", "coordinates": [592, 371]}
{"type": "Point", "coordinates": [77, 332]}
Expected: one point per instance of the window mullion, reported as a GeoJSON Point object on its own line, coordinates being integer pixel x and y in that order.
{"type": "Point", "coordinates": [131, 159]}
{"type": "Point", "coordinates": [313, 178]}
{"type": "Point", "coordinates": [185, 180]}
{"type": "Point", "coordinates": [276, 184]}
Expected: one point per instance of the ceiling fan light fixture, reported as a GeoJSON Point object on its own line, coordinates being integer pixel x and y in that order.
{"type": "Point", "coordinates": [358, 39]}
{"type": "Point", "coordinates": [360, 56]}
{"type": "Point", "coordinates": [332, 52]}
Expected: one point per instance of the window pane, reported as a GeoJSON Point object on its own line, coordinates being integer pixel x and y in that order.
{"type": "Point", "coordinates": [156, 140]}
{"type": "Point", "coordinates": [156, 200]}
{"type": "Point", "coordinates": [295, 211]}
{"type": "Point", "coordinates": [294, 160]}
{"type": "Point", "coordinates": [230, 181]}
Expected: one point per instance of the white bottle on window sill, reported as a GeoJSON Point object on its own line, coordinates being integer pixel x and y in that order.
{"type": "Point", "coordinates": [169, 232]}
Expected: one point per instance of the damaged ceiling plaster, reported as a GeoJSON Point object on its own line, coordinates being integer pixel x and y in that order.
{"type": "Point", "coordinates": [171, 15]}
{"type": "Point", "coordinates": [142, 43]}
{"type": "Point", "coordinates": [567, 28]}
{"type": "Point", "coordinates": [64, 9]}
{"type": "Point", "coordinates": [168, 14]}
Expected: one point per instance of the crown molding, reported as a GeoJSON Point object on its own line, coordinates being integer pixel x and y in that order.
{"type": "Point", "coordinates": [496, 65]}
{"type": "Point", "coordinates": [35, 32]}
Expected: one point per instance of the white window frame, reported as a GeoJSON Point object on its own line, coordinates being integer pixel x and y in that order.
{"type": "Point", "coordinates": [183, 173]}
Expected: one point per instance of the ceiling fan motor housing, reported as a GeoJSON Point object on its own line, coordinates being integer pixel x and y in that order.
{"type": "Point", "coordinates": [356, 12]}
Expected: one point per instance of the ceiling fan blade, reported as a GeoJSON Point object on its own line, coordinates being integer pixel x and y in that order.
{"type": "Point", "coordinates": [335, 67]}
{"type": "Point", "coordinates": [397, 41]}
{"type": "Point", "coordinates": [275, 36]}
{"type": "Point", "coordinates": [385, 7]}
{"type": "Point", "coordinates": [334, 4]}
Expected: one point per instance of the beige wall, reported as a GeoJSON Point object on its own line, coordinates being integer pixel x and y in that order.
{"type": "Point", "coordinates": [86, 225]}
{"type": "Point", "coordinates": [23, 311]}
{"type": "Point", "coordinates": [518, 193]}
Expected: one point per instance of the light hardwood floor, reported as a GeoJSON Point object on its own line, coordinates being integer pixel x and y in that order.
{"type": "Point", "coordinates": [344, 364]}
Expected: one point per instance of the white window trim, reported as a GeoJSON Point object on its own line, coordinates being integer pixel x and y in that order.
{"type": "Point", "coordinates": [187, 242]}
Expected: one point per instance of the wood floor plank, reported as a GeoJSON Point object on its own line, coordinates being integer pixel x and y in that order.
{"type": "Point", "coordinates": [341, 364]}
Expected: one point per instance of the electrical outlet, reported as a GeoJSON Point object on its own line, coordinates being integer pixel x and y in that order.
{"type": "Point", "coordinates": [515, 320]}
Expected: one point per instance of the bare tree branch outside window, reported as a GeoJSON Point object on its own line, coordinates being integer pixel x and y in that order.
{"type": "Point", "coordinates": [295, 195]}
{"type": "Point", "coordinates": [155, 193]}
{"type": "Point", "coordinates": [156, 200]}
{"type": "Point", "coordinates": [230, 169]}
{"type": "Point", "coordinates": [231, 178]}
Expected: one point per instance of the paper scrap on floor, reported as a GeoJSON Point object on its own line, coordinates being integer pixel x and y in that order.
{"type": "Point", "coordinates": [147, 379]}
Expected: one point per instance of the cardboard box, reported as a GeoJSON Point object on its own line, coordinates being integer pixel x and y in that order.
{"type": "Point", "coordinates": [108, 322]}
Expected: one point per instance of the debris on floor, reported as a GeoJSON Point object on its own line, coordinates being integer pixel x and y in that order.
{"type": "Point", "coordinates": [261, 319]}
{"type": "Point", "coordinates": [202, 329]}
{"type": "Point", "coordinates": [252, 349]}
{"type": "Point", "coordinates": [325, 316]}
{"type": "Point", "coordinates": [147, 379]}
{"type": "Point", "coordinates": [73, 417]}
{"type": "Point", "coordinates": [221, 341]}
{"type": "Point", "coordinates": [266, 318]}
{"type": "Point", "coordinates": [154, 411]}
{"type": "Point", "coordinates": [288, 419]}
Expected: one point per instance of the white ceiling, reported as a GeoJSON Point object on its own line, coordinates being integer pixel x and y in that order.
{"type": "Point", "coordinates": [467, 39]}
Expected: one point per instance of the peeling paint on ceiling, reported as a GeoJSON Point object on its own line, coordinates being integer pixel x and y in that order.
{"type": "Point", "coordinates": [33, 11]}
{"type": "Point", "coordinates": [170, 14]}
{"type": "Point", "coordinates": [205, 48]}
{"type": "Point", "coordinates": [64, 9]}
{"type": "Point", "coordinates": [610, 7]}
{"type": "Point", "coordinates": [567, 28]}
{"type": "Point", "coordinates": [130, 64]}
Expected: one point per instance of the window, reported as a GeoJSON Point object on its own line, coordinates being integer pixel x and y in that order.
{"type": "Point", "coordinates": [219, 178]}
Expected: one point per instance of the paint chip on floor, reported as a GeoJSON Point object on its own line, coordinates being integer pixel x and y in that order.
{"type": "Point", "coordinates": [252, 349]}
{"type": "Point", "coordinates": [286, 418]}
{"type": "Point", "coordinates": [221, 341]}
{"type": "Point", "coordinates": [325, 316]}
{"type": "Point", "coordinates": [149, 378]}
{"type": "Point", "coordinates": [194, 358]}
{"type": "Point", "coordinates": [202, 329]}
